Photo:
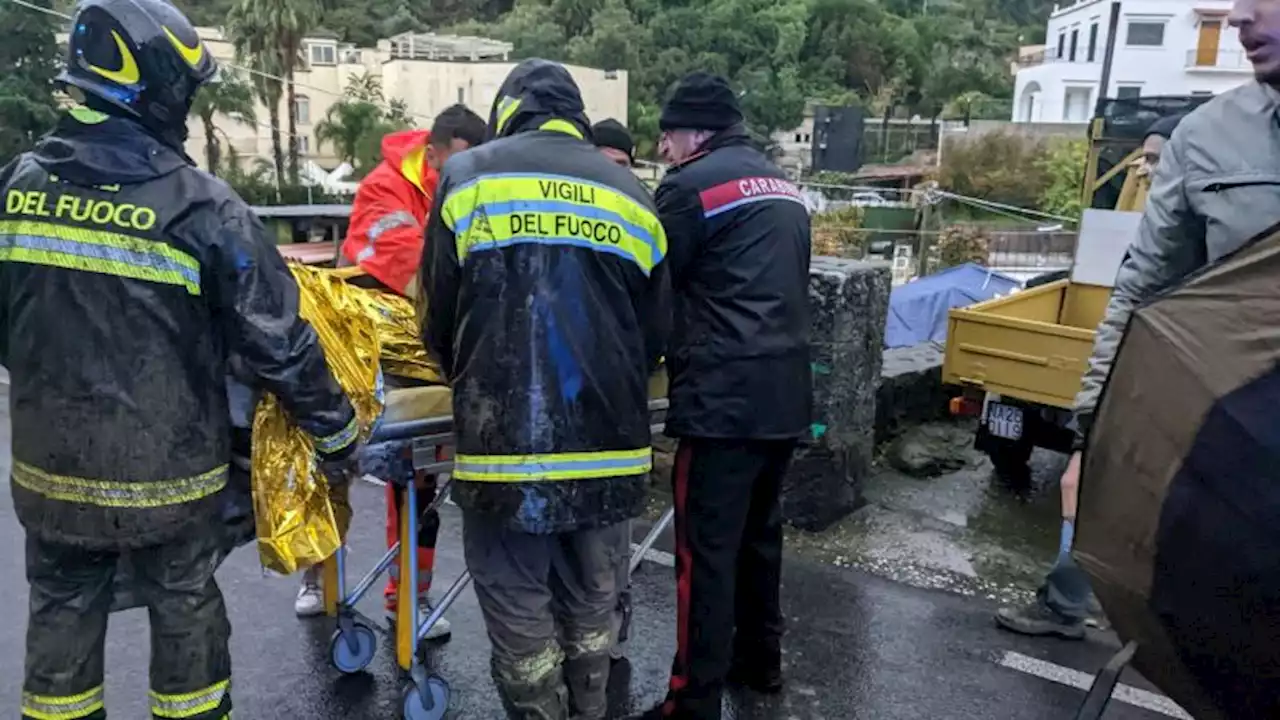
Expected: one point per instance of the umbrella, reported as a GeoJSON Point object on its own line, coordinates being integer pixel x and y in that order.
{"type": "Point", "coordinates": [1179, 520]}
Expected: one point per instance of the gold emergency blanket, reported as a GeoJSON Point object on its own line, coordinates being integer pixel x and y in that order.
{"type": "Point", "coordinates": [403, 354]}
{"type": "Point", "coordinates": [299, 521]}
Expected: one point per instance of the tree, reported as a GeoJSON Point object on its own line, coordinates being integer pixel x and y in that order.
{"type": "Point", "coordinates": [254, 47]}
{"type": "Point", "coordinates": [231, 96]}
{"type": "Point", "coordinates": [269, 34]}
{"type": "Point", "coordinates": [354, 126]}
{"type": "Point", "coordinates": [29, 58]}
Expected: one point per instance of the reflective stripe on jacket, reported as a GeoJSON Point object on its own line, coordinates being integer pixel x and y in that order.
{"type": "Point", "coordinates": [127, 279]}
{"type": "Point", "coordinates": [546, 293]}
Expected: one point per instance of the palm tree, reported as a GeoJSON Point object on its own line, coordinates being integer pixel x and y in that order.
{"type": "Point", "coordinates": [231, 96]}
{"type": "Point", "coordinates": [268, 34]}
{"type": "Point", "coordinates": [354, 126]}
{"type": "Point", "coordinates": [346, 125]}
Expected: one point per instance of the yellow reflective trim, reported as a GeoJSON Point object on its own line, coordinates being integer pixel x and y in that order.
{"type": "Point", "coordinates": [119, 494]}
{"type": "Point", "coordinates": [128, 73]}
{"type": "Point", "coordinates": [330, 444]}
{"type": "Point", "coordinates": [85, 116]}
{"type": "Point", "coordinates": [504, 209]}
{"type": "Point", "coordinates": [411, 167]}
{"type": "Point", "coordinates": [637, 454]}
{"type": "Point", "coordinates": [190, 704]}
{"type": "Point", "coordinates": [75, 248]}
{"type": "Point", "coordinates": [562, 126]}
{"type": "Point", "coordinates": [506, 109]}
{"type": "Point", "coordinates": [69, 707]}
{"type": "Point", "coordinates": [192, 55]}
{"type": "Point", "coordinates": [553, 466]}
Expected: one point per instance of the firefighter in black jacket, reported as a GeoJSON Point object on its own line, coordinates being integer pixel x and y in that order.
{"type": "Point", "coordinates": [738, 234]}
{"type": "Point", "coordinates": [127, 278]}
{"type": "Point", "coordinates": [544, 276]}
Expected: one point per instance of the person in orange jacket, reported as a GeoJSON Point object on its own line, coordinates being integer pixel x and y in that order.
{"type": "Point", "coordinates": [385, 239]}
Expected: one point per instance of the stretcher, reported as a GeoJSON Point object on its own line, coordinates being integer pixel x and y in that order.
{"type": "Point", "coordinates": [421, 415]}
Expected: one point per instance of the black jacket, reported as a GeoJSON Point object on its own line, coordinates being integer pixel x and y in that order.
{"type": "Point", "coordinates": [127, 278]}
{"type": "Point", "coordinates": [545, 288]}
{"type": "Point", "coordinates": [738, 234]}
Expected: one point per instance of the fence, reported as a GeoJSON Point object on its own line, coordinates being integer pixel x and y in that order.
{"type": "Point", "coordinates": [1021, 255]}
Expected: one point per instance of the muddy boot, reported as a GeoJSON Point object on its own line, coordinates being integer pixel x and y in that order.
{"type": "Point", "coordinates": [586, 673]}
{"type": "Point", "coordinates": [533, 689]}
{"type": "Point", "coordinates": [1038, 620]}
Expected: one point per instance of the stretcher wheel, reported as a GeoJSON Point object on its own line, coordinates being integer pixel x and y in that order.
{"type": "Point", "coordinates": [437, 697]}
{"type": "Point", "coordinates": [352, 651]}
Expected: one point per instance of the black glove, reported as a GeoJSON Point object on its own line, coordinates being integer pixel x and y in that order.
{"type": "Point", "coordinates": [341, 469]}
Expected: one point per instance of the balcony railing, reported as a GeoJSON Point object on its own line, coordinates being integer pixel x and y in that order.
{"type": "Point", "coordinates": [1221, 60]}
{"type": "Point", "coordinates": [1051, 57]}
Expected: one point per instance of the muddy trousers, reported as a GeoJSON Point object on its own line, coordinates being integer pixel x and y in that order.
{"type": "Point", "coordinates": [728, 568]}
{"type": "Point", "coordinates": [71, 592]}
{"type": "Point", "coordinates": [548, 603]}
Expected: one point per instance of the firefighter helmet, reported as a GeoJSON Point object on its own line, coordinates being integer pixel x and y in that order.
{"type": "Point", "coordinates": [138, 58]}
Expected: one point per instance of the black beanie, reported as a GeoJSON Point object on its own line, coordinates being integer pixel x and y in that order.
{"type": "Point", "coordinates": [701, 101]}
{"type": "Point", "coordinates": [613, 134]}
{"type": "Point", "coordinates": [1164, 127]}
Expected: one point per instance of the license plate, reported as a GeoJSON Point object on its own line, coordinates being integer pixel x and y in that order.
{"type": "Point", "coordinates": [1004, 421]}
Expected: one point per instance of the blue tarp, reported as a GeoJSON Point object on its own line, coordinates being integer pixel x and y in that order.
{"type": "Point", "coordinates": [918, 310]}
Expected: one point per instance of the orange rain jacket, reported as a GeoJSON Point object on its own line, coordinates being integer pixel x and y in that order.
{"type": "Point", "coordinates": [390, 211]}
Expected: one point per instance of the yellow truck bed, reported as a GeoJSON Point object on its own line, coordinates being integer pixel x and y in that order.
{"type": "Point", "coordinates": [1032, 345]}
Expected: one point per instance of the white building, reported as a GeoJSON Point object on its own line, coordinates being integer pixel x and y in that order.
{"type": "Point", "coordinates": [1164, 47]}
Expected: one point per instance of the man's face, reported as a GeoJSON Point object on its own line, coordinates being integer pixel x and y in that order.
{"type": "Point", "coordinates": [1259, 25]}
{"type": "Point", "coordinates": [438, 154]}
{"type": "Point", "coordinates": [676, 146]}
{"type": "Point", "coordinates": [617, 156]}
{"type": "Point", "coordinates": [1151, 148]}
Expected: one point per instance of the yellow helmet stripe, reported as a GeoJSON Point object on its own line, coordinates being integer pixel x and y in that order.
{"type": "Point", "coordinates": [193, 55]}
{"type": "Point", "coordinates": [128, 73]}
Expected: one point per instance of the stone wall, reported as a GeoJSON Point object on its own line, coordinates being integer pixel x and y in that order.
{"type": "Point", "coordinates": [849, 301]}
{"type": "Point", "coordinates": [911, 390]}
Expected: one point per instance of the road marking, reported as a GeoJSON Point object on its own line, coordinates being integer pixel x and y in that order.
{"type": "Point", "coordinates": [1082, 681]}
{"type": "Point", "coordinates": [660, 557]}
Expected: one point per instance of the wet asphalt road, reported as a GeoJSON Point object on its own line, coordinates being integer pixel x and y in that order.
{"type": "Point", "coordinates": [858, 646]}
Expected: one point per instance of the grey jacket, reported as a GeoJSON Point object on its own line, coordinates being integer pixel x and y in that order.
{"type": "Point", "coordinates": [1217, 186]}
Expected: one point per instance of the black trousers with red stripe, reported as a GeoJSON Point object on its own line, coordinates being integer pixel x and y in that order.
{"type": "Point", "coordinates": [728, 567]}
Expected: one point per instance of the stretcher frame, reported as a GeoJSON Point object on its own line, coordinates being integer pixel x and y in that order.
{"type": "Point", "coordinates": [354, 642]}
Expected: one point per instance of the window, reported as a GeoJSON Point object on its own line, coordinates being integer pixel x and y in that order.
{"type": "Point", "coordinates": [1093, 43]}
{"type": "Point", "coordinates": [324, 54]}
{"type": "Point", "coordinates": [304, 145]}
{"type": "Point", "coordinates": [1075, 41]}
{"type": "Point", "coordinates": [302, 109]}
{"type": "Point", "coordinates": [1076, 105]}
{"type": "Point", "coordinates": [1062, 44]}
{"type": "Point", "coordinates": [462, 95]}
{"type": "Point", "coordinates": [798, 136]}
{"type": "Point", "coordinates": [1128, 92]}
{"type": "Point", "coordinates": [1145, 33]}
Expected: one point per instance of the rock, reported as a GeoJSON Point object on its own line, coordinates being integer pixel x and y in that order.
{"type": "Point", "coordinates": [849, 301]}
{"type": "Point", "coordinates": [928, 451]}
{"type": "Point", "coordinates": [911, 390]}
